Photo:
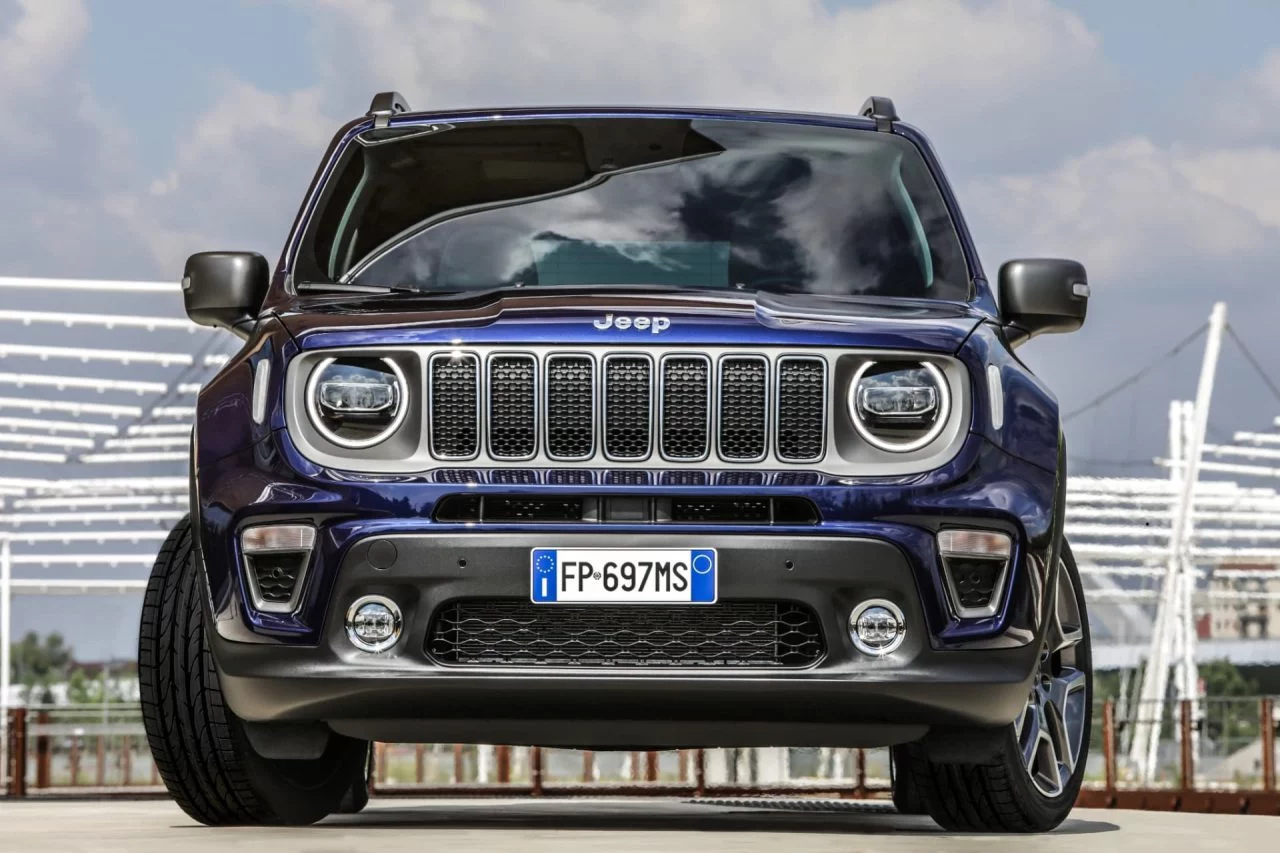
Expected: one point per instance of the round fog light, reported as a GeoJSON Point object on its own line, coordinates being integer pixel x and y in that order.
{"type": "Point", "coordinates": [877, 627]}
{"type": "Point", "coordinates": [373, 623]}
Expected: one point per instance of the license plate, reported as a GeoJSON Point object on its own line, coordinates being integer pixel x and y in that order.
{"type": "Point", "coordinates": [623, 576]}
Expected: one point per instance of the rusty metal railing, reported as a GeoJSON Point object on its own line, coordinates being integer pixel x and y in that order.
{"type": "Point", "coordinates": [1216, 756]}
{"type": "Point", "coordinates": [682, 773]}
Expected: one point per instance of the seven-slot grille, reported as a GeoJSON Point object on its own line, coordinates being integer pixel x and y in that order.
{"type": "Point", "coordinates": [628, 407]}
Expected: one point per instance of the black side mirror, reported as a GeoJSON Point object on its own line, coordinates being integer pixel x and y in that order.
{"type": "Point", "coordinates": [225, 289]}
{"type": "Point", "coordinates": [1042, 295]}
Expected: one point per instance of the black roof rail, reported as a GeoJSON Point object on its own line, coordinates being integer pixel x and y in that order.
{"type": "Point", "coordinates": [385, 105]}
{"type": "Point", "coordinates": [882, 110]}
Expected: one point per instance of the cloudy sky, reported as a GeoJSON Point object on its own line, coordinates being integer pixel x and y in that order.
{"type": "Point", "coordinates": [1142, 138]}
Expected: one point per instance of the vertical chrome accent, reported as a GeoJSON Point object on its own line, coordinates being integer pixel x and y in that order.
{"type": "Point", "coordinates": [261, 381]}
{"type": "Point", "coordinates": [780, 415]}
{"type": "Point", "coordinates": [547, 413]}
{"type": "Point", "coordinates": [662, 407]}
{"type": "Point", "coordinates": [452, 355]}
{"type": "Point", "coordinates": [719, 408]}
{"type": "Point", "coordinates": [604, 408]}
{"type": "Point", "coordinates": [488, 405]}
{"type": "Point", "coordinates": [995, 390]}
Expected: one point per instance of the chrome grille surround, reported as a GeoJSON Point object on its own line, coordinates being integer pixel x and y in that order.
{"type": "Point", "coordinates": [684, 410]}
{"type": "Point", "coordinates": [568, 380]}
{"type": "Point", "coordinates": [569, 408]}
{"type": "Point", "coordinates": [459, 427]}
{"type": "Point", "coordinates": [801, 392]}
{"type": "Point", "coordinates": [742, 403]}
{"type": "Point", "coordinates": [628, 407]}
{"type": "Point", "coordinates": [512, 401]}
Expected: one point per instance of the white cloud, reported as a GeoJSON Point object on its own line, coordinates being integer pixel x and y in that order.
{"type": "Point", "coordinates": [1132, 207]}
{"type": "Point", "coordinates": [1246, 179]}
{"type": "Point", "coordinates": [236, 178]}
{"type": "Point", "coordinates": [949, 65]}
{"type": "Point", "coordinates": [242, 168]}
{"type": "Point", "coordinates": [59, 151]}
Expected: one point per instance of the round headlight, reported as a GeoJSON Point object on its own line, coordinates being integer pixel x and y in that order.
{"type": "Point", "coordinates": [899, 406]}
{"type": "Point", "coordinates": [356, 402]}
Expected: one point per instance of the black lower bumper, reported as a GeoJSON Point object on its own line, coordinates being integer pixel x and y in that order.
{"type": "Point", "coordinates": [846, 699]}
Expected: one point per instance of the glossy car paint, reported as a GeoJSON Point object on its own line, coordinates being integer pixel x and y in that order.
{"type": "Point", "coordinates": [1009, 478]}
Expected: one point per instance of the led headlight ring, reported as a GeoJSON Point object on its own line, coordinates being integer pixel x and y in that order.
{"type": "Point", "coordinates": [939, 424]}
{"type": "Point", "coordinates": [317, 421]}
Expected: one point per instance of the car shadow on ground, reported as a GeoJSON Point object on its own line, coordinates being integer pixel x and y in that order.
{"type": "Point", "coordinates": [798, 816]}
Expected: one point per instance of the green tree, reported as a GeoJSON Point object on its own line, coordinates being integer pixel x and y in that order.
{"type": "Point", "coordinates": [36, 663]}
{"type": "Point", "coordinates": [83, 689]}
{"type": "Point", "coordinates": [1224, 718]}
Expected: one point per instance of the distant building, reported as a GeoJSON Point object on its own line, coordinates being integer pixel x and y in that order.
{"type": "Point", "coordinates": [1242, 618]}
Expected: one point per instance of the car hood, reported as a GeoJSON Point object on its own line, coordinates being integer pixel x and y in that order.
{"type": "Point", "coordinates": [634, 320]}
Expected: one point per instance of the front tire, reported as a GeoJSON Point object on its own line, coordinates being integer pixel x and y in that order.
{"type": "Point", "coordinates": [1032, 782]}
{"type": "Point", "coordinates": [199, 745]}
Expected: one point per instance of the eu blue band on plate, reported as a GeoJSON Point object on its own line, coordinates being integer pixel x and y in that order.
{"type": "Point", "coordinates": [544, 574]}
{"type": "Point", "coordinates": [703, 576]}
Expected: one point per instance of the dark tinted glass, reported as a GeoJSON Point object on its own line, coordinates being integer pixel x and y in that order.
{"type": "Point", "coordinates": [737, 205]}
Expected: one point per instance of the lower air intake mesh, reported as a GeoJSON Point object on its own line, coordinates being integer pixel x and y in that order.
{"type": "Point", "coordinates": [508, 632]}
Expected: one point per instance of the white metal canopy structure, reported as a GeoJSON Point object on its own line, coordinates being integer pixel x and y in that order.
{"type": "Point", "coordinates": [95, 409]}
{"type": "Point", "coordinates": [1145, 542]}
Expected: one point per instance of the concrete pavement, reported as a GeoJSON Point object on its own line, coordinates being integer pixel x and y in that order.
{"type": "Point", "coordinates": [567, 826]}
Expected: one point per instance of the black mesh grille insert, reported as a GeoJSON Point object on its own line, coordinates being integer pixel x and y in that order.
{"type": "Point", "coordinates": [457, 476]}
{"type": "Point", "coordinates": [974, 580]}
{"type": "Point", "coordinates": [608, 509]}
{"type": "Point", "coordinates": [743, 413]}
{"type": "Point", "coordinates": [801, 408]}
{"type": "Point", "coordinates": [455, 406]}
{"type": "Point", "coordinates": [532, 509]}
{"type": "Point", "coordinates": [626, 477]}
{"type": "Point", "coordinates": [627, 404]}
{"type": "Point", "coordinates": [686, 407]}
{"type": "Point", "coordinates": [276, 575]}
{"type": "Point", "coordinates": [684, 478]}
{"type": "Point", "coordinates": [512, 425]}
{"type": "Point", "coordinates": [513, 477]}
{"type": "Point", "coordinates": [571, 477]}
{"type": "Point", "coordinates": [508, 632]}
{"type": "Point", "coordinates": [570, 406]}
{"type": "Point", "coordinates": [741, 478]}
{"type": "Point", "coordinates": [741, 510]}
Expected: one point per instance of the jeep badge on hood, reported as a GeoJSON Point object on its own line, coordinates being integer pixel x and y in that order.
{"type": "Point", "coordinates": [655, 325]}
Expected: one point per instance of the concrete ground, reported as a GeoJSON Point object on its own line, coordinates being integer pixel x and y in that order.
{"type": "Point", "coordinates": [565, 826]}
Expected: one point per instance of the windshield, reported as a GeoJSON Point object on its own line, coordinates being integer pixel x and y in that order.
{"type": "Point", "coordinates": [722, 205]}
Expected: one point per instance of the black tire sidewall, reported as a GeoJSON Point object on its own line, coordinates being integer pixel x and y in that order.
{"type": "Point", "coordinates": [226, 783]}
{"type": "Point", "coordinates": [1043, 811]}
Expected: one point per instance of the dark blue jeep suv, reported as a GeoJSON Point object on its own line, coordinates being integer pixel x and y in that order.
{"type": "Point", "coordinates": [622, 428]}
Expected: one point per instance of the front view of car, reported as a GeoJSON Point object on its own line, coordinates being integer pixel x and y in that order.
{"type": "Point", "coordinates": [627, 429]}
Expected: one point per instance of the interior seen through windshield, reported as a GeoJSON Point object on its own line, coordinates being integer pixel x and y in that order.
{"type": "Point", "coordinates": [723, 204]}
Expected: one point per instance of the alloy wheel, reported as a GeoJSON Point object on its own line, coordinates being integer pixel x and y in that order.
{"type": "Point", "coordinates": [1050, 731]}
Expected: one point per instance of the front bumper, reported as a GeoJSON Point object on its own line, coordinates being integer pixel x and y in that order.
{"type": "Point", "coordinates": [875, 540]}
{"type": "Point", "coordinates": [845, 699]}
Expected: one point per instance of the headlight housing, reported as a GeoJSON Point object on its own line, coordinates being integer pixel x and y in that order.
{"type": "Point", "coordinates": [356, 402]}
{"type": "Point", "coordinates": [899, 406]}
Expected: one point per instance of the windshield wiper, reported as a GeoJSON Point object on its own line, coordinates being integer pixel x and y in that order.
{"type": "Point", "coordinates": [331, 287]}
